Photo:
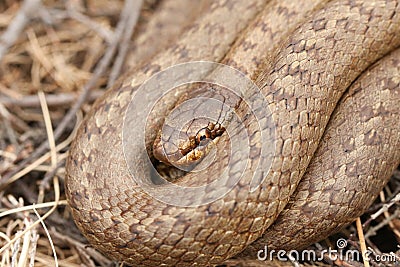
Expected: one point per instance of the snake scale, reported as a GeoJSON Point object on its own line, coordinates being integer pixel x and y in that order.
{"type": "Point", "coordinates": [330, 72]}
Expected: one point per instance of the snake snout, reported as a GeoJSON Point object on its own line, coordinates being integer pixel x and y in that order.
{"type": "Point", "coordinates": [187, 149]}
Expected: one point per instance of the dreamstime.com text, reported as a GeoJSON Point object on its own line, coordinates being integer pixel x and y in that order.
{"type": "Point", "coordinates": [333, 254]}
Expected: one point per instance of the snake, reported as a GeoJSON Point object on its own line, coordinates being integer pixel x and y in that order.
{"type": "Point", "coordinates": [328, 74]}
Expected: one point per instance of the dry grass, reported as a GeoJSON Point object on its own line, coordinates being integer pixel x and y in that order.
{"type": "Point", "coordinates": [56, 59]}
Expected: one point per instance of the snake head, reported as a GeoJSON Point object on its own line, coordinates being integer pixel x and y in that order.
{"type": "Point", "coordinates": [192, 145]}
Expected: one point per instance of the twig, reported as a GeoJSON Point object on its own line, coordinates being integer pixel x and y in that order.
{"type": "Point", "coordinates": [48, 236]}
{"type": "Point", "coordinates": [44, 184]}
{"type": "Point", "coordinates": [31, 207]}
{"type": "Point", "coordinates": [83, 247]}
{"type": "Point", "coordinates": [99, 71]}
{"type": "Point", "coordinates": [362, 242]}
{"type": "Point", "coordinates": [102, 31]}
{"type": "Point", "coordinates": [130, 15]}
{"type": "Point", "coordinates": [32, 252]}
{"type": "Point", "coordinates": [57, 199]}
{"type": "Point", "coordinates": [49, 129]}
{"type": "Point", "coordinates": [6, 119]}
{"type": "Point", "coordinates": [52, 100]}
{"type": "Point", "coordinates": [387, 214]}
{"type": "Point", "coordinates": [14, 251]}
{"type": "Point", "coordinates": [37, 162]}
{"type": "Point", "coordinates": [24, 254]}
{"type": "Point", "coordinates": [385, 207]}
{"type": "Point", "coordinates": [373, 230]}
{"type": "Point", "coordinates": [50, 138]}
{"type": "Point", "coordinates": [27, 11]}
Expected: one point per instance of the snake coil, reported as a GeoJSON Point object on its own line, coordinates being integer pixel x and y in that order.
{"type": "Point", "coordinates": [330, 87]}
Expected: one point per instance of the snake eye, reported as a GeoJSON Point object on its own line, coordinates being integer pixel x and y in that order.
{"type": "Point", "coordinates": [202, 135]}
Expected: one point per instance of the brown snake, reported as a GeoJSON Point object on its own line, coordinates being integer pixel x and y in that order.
{"type": "Point", "coordinates": [331, 75]}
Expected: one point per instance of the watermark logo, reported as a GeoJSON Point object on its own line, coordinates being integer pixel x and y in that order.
{"type": "Point", "coordinates": [341, 253]}
{"type": "Point", "coordinates": [341, 243]}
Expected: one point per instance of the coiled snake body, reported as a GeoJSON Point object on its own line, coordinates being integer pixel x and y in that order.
{"type": "Point", "coordinates": [330, 73]}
